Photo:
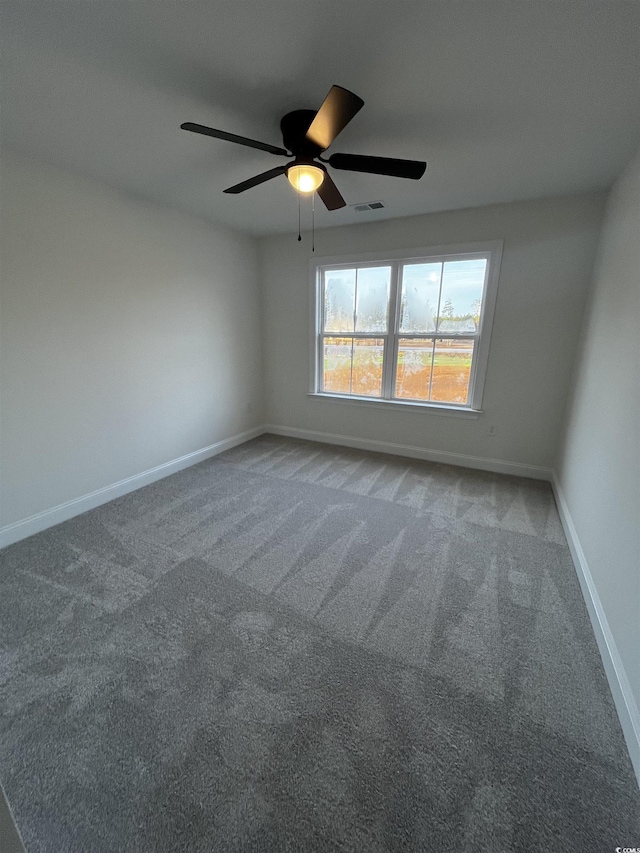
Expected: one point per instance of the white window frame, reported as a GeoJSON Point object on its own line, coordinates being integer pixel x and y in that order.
{"type": "Point", "coordinates": [491, 250]}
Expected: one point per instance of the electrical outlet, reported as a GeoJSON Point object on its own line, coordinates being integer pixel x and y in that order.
{"type": "Point", "coordinates": [492, 430]}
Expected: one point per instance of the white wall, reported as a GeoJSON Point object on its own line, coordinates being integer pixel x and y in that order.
{"type": "Point", "coordinates": [130, 336]}
{"type": "Point", "coordinates": [598, 467]}
{"type": "Point", "coordinates": [549, 249]}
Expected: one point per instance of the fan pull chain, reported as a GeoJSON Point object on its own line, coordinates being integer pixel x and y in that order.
{"type": "Point", "coordinates": [313, 222]}
{"type": "Point", "coordinates": [299, 235]}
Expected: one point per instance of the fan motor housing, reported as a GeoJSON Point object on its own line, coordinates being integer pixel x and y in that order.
{"type": "Point", "coordinates": [294, 127]}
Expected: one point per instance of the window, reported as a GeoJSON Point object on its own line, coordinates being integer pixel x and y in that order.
{"type": "Point", "coordinates": [411, 330]}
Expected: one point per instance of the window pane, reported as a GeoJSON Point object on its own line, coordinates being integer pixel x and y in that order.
{"type": "Point", "coordinates": [339, 300]}
{"type": "Point", "coordinates": [451, 370]}
{"type": "Point", "coordinates": [373, 299]}
{"type": "Point", "coordinates": [462, 286]}
{"type": "Point", "coordinates": [353, 366]}
{"type": "Point", "coordinates": [366, 376]}
{"type": "Point", "coordinates": [414, 369]}
{"type": "Point", "coordinates": [420, 289]}
{"type": "Point", "coordinates": [337, 365]}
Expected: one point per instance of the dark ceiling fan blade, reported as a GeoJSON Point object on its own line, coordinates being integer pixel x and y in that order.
{"type": "Point", "coordinates": [258, 179]}
{"type": "Point", "coordinates": [233, 137]}
{"type": "Point", "coordinates": [337, 110]}
{"type": "Point", "coordinates": [379, 165]}
{"type": "Point", "coordinates": [330, 194]}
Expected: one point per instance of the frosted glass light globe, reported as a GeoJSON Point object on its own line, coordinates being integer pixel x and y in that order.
{"type": "Point", "coordinates": [305, 178]}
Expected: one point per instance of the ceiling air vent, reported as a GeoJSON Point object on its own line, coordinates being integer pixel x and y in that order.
{"type": "Point", "coordinates": [372, 205]}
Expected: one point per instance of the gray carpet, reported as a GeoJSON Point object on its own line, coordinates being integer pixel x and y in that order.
{"type": "Point", "coordinates": [9, 837]}
{"type": "Point", "coordinates": [296, 647]}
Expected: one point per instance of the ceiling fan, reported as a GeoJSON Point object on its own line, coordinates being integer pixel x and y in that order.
{"type": "Point", "coordinates": [306, 134]}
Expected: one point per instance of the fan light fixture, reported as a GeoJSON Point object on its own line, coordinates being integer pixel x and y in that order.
{"type": "Point", "coordinates": [305, 178]}
{"type": "Point", "coordinates": [306, 135]}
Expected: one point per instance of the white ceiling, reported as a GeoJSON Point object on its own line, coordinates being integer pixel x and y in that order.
{"type": "Point", "coordinates": [505, 99]}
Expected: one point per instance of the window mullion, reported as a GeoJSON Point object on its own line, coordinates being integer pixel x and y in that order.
{"type": "Point", "coordinates": [318, 377]}
{"type": "Point", "coordinates": [322, 313]}
{"type": "Point", "coordinates": [351, 369]}
{"type": "Point", "coordinates": [390, 343]}
{"type": "Point", "coordinates": [433, 353]}
{"type": "Point", "coordinates": [355, 303]}
{"type": "Point", "coordinates": [439, 297]}
{"type": "Point", "coordinates": [399, 271]}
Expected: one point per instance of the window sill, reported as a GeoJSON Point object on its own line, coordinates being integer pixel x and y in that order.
{"type": "Point", "coordinates": [432, 408]}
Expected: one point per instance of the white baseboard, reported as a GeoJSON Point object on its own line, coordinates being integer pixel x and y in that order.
{"type": "Point", "coordinates": [48, 518]}
{"type": "Point", "coordinates": [497, 465]}
{"type": "Point", "coordinates": [621, 692]}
